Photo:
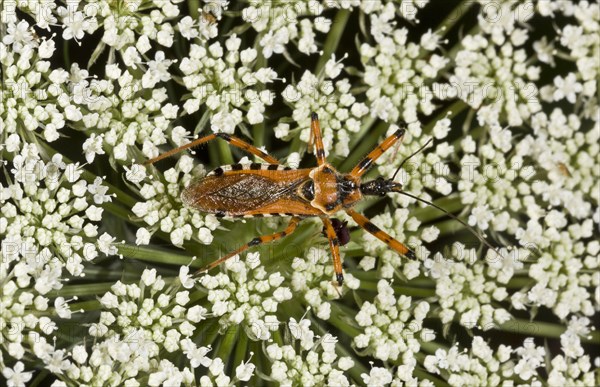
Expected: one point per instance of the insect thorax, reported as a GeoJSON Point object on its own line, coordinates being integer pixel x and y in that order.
{"type": "Point", "coordinates": [331, 190]}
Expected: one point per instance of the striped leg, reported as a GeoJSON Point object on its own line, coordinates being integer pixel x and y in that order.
{"type": "Point", "coordinates": [380, 234]}
{"type": "Point", "coordinates": [254, 242]}
{"type": "Point", "coordinates": [334, 244]}
{"type": "Point", "coordinates": [230, 139]}
{"type": "Point", "coordinates": [369, 159]}
{"type": "Point", "coordinates": [317, 139]}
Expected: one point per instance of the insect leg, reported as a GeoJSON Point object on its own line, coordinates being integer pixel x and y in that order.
{"type": "Point", "coordinates": [315, 136]}
{"type": "Point", "coordinates": [380, 234]}
{"type": "Point", "coordinates": [369, 159]}
{"type": "Point", "coordinates": [254, 242]}
{"type": "Point", "coordinates": [248, 148]}
{"type": "Point", "coordinates": [230, 139]}
{"type": "Point", "coordinates": [334, 244]}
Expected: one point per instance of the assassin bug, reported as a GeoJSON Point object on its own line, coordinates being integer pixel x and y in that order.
{"type": "Point", "coordinates": [261, 190]}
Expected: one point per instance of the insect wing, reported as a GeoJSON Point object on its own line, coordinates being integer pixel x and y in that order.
{"type": "Point", "coordinates": [244, 192]}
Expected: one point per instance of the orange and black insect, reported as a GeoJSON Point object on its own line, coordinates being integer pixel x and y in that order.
{"type": "Point", "coordinates": [271, 189]}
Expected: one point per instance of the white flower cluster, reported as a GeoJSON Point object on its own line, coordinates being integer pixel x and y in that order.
{"type": "Point", "coordinates": [496, 79]}
{"type": "Point", "coordinates": [339, 112]}
{"type": "Point", "coordinates": [48, 212]}
{"type": "Point", "coordinates": [115, 110]}
{"type": "Point", "coordinates": [560, 283]}
{"type": "Point", "coordinates": [493, 180]}
{"type": "Point", "coordinates": [162, 209]}
{"type": "Point", "coordinates": [223, 79]}
{"type": "Point", "coordinates": [137, 323]}
{"type": "Point", "coordinates": [383, 12]}
{"type": "Point", "coordinates": [127, 25]}
{"type": "Point", "coordinates": [135, 358]}
{"type": "Point", "coordinates": [501, 186]}
{"type": "Point", "coordinates": [74, 21]}
{"type": "Point", "coordinates": [580, 37]}
{"type": "Point", "coordinates": [48, 223]}
{"type": "Point", "coordinates": [393, 330]}
{"type": "Point", "coordinates": [380, 376]}
{"type": "Point", "coordinates": [206, 27]}
{"type": "Point", "coordinates": [549, 176]}
{"type": "Point", "coordinates": [307, 359]}
{"type": "Point", "coordinates": [481, 365]}
{"type": "Point", "coordinates": [121, 114]}
{"type": "Point", "coordinates": [280, 23]}
{"type": "Point", "coordinates": [400, 74]}
{"type": "Point", "coordinates": [33, 95]}
{"type": "Point", "coordinates": [573, 367]}
{"type": "Point", "coordinates": [466, 291]}
{"type": "Point", "coordinates": [130, 25]}
{"type": "Point", "coordinates": [562, 207]}
{"type": "Point", "coordinates": [246, 295]}
{"type": "Point", "coordinates": [24, 317]}
{"type": "Point", "coordinates": [313, 277]}
{"type": "Point", "coordinates": [524, 170]}
{"type": "Point", "coordinates": [16, 376]}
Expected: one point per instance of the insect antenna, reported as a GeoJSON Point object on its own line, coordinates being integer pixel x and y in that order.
{"type": "Point", "coordinates": [451, 215]}
{"type": "Point", "coordinates": [408, 158]}
{"type": "Point", "coordinates": [400, 191]}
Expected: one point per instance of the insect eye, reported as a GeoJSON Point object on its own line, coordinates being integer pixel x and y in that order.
{"type": "Point", "coordinates": [308, 190]}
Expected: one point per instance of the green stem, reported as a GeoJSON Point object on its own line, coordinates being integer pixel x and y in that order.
{"type": "Point", "coordinates": [209, 333]}
{"type": "Point", "coordinates": [108, 274]}
{"type": "Point", "coordinates": [276, 336]}
{"type": "Point", "coordinates": [520, 282]}
{"type": "Point", "coordinates": [227, 343]}
{"type": "Point", "coordinates": [333, 38]}
{"type": "Point", "coordinates": [118, 211]}
{"type": "Point", "coordinates": [424, 375]}
{"type": "Point", "coordinates": [41, 377]}
{"type": "Point", "coordinates": [451, 204]}
{"type": "Point", "coordinates": [372, 275]}
{"type": "Point", "coordinates": [404, 290]}
{"type": "Point", "coordinates": [148, 254]}
{"type": "Point", "coordinates": [431, 346]}
{"type": "Point", "coordinates": [344, 326]}
{"type": "Point", "coordinates": [542, 329]}
{"type": "Point", "coordinates": [449, 227]}
{"type": "Point", "coordinates": [86, 305]}
{"type": "Point", "coordinates": [296, 145]}
{"type": "Point", "coordinates": [453, 17]}
{"type": "Point", "coordinates": [193, 9]}
{"type": "Point", "coordinates": [225, 155]}
{"type": "Point", "coordinates": [563, 55]}
{"type": "Point", "coordinates": [66, 54]}
{"type": "Point", "coordinates": [241, 350]}
{"type": "Point", "coordinates": [85, 289]}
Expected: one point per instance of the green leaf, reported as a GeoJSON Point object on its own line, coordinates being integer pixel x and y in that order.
{"type": "Point", "coordinates": [96, 54]}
